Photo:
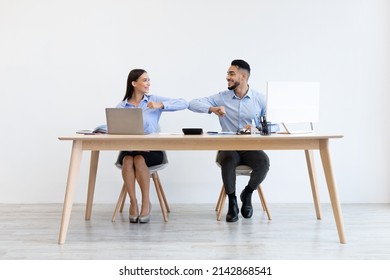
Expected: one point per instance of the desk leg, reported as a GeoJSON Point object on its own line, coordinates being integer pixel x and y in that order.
{"type": "Point", "coordinates": [326, 163]}
{"type": "Point", "coordinates": [73, 174]}
{"type": "Point", "coordinates": [313, 182]}
{"type": "Point", "coordinates": [91, 184]}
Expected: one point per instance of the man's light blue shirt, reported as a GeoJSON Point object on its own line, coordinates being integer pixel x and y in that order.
{"type": "Point", "coordinates": [152, 116]}
{"type": "Point", "coordinates": [239, 112]}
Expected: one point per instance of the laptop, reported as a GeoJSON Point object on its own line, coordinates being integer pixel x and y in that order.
{"type": "Point", "coordinates": [125, 121]}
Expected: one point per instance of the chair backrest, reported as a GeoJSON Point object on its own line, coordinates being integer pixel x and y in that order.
{"type": "Point", "coordinates": [241, 170]}
{"type": "Point", "coordinates": [161, 166]}
{"type": "Point", "coordinates": [153, 168]}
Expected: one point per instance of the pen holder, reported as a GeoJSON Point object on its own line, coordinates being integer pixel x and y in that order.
{"type": "Point", "coordinates": [265, 128]}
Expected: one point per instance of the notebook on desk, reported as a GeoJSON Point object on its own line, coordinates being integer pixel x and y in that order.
{"type": "Point", "coordinates": [125, 121]}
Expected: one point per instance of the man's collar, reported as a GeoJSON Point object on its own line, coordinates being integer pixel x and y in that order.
{"type": "Point", "coordinates": [247, 95]}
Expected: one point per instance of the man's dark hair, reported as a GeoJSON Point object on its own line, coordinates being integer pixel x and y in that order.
{"type": "Point", "coordinates": [239, 63]}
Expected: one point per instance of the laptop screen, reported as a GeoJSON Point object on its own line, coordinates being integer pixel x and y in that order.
{"type": "Point", "coordinates": [125, 121]}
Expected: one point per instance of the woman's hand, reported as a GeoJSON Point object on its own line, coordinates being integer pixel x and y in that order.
{"type": "Point", "coordinates": [155, 105]}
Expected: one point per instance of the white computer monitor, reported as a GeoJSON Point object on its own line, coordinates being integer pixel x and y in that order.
{"type": "Point", "coordinates": [293, 102]}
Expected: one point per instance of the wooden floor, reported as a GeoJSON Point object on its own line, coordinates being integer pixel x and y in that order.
{"type": "Point", "coordinates": [31, 231]}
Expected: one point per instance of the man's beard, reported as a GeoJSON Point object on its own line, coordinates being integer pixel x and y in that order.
{"type": "Point", "coordinates": [234, 86]}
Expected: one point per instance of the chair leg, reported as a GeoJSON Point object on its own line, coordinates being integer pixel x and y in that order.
{"type": "Point", "coordinates": [263, 201]}
{"type": "Point", "coordinates": [120, 203]}
{"type": "Point", "coordinates": [261, 196]}
{"type": "Point", "coordinates": [160, 197]}
{"type": "Point", "coordinates": [162, 193]}
{"type": "Point", "coordinates": [221, 203]}
{"type": "Point", "coordinates": [218, 206]}
{"type": "Point", "coordinates": [222, 199]}
{"type": "Point", "coordinates": [124, 194]}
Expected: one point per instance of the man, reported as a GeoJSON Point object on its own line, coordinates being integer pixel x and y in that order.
{"type": "Point", "coordinates": [237, 109]}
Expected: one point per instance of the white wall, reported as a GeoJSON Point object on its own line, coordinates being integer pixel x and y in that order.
{"type": "Point", "coordinates": [63, 62]}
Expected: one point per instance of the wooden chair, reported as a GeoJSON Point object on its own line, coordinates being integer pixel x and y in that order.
{"type": "Point", "coordinates": [241, 170]}
{"type": "Point", "coordinates": [153, 170]}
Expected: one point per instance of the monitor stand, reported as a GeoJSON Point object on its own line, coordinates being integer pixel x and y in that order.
{"type": "Point", "coordinates": [297, 128]}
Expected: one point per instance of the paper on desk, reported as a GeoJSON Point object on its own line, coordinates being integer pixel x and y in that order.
{"type": "Point", "coordinates": [101, 129]}
{"type": "Point", "coordinates": [84, 131]}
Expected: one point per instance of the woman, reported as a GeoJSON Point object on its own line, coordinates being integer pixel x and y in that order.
{"type": "Point", "coordinates": [135, 163]}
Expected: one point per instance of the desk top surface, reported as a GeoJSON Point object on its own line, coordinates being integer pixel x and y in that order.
{"type": "Point", "coordinates": [203, 137]}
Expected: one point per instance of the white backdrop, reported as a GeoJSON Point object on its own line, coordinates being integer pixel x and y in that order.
{"type": "Point", "coordinates": [63, 62]}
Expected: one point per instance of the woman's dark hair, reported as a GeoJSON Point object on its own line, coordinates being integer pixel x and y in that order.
{"type": "Point", "coordinates": [133, 76]}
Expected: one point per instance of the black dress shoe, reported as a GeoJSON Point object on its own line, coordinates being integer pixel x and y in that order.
{"type": "Point", "coordinates": [232, 214]}
{"type": "Point", "coordinates": [246, 208]}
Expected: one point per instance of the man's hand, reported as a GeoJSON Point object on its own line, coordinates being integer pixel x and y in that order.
{"type": "Point", "coordinates": [219, 111]}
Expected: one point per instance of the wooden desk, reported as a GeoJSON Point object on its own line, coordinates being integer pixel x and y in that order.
{"type": "Point", "coordinates": [97, 143]}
